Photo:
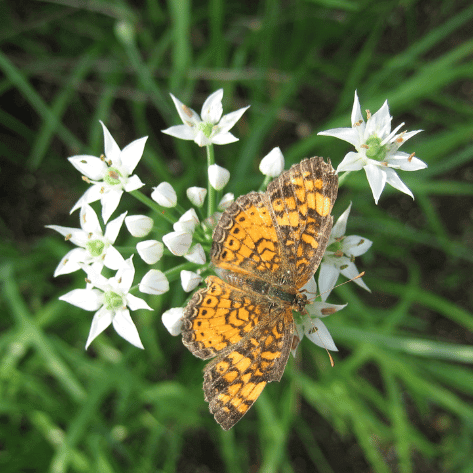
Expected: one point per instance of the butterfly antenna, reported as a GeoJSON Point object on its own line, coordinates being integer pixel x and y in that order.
{"type": "Point", "coordinates": [345, 282]}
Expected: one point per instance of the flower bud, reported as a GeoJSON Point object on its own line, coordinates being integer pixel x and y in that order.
{"type": "Point", "coordinates": [189, 280]}
{"type": "Point", "coordinates": [164, 195]}
{"type": "Point", "coordinates": [150, 251]}
{"type": "Point", "coordinates": [178, 243]}
{"type": "Point", "coordinates": [196, 195]}
{"type": "Point", "coordinates": [196, 254]}
{"type": "Point", "coordinates": [218, 176]}
{"type": "Point", "coordinates": [154, 282]}
{"type": "Point", "coordinates": [272, 164]}
{"type": "Point", "coordinates": [187, 222]}
{"type": "Point", "coordinates": [226, 201]}
{"type": "Point", "coordinates": [172, 320]}
{"type": "Point", "coordinates": [139, 225]}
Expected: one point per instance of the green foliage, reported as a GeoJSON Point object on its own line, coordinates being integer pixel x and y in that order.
{"type": "Point", "coordinates": [398, 398]}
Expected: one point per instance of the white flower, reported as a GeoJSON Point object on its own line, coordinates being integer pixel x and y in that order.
{"type": "Point", "coordinates": [273, 163]}
{"type": "Point", "coordinates": [110, 298]}
{"type": "Point", "coordinates": [226, 201]}
{"type": "Point", "coordinates": [211, 127]}
{"type": "Point", "coordinates": [377, 149]}
{"type": "Point", "coordinates": [340, 255]}
{"type": "Point", "coordinates": [139, 225]}
{"type": "Point", "coordinates": [110, 176]}
{"type": "Point", "coordinates": [96, 248]}
{"type": "Point", "coordinates": [187, 222]}
{"type": "Point", "coordinates": [218, 176]}
{"type": "Point", "coordinates": [154, 282]}
{"type": "Point", "coordinates": [196, 254]}
{"type": "Point", "coordinates": [196, 195]}
{"type": "Point", "coordinates": [189, 280]}
{"type": "Point", "coordinates": [172, 320]}
{"type": "Point", "coordinates": [150, 251]}
{"type": "Point", "coordinates": [165, 195]}
{"type": "Point", "coordinates": [310, 324]}
{"type": "Point", "coordinates": [178, 243]}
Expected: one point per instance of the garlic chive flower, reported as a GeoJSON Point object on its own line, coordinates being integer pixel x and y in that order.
{"type": "Point", "coordinates": [226, 201]}
{"type": "Point", "coordinates": [95, 247]}
{"type": "Point", "coordinates": [210, 127]}
{"type": "Point", "coordinates": [376, 149]}
{"type": "Point", "coordinates": [196, 254]}
{"type": "Point", "coordinates": [272, 164]}
{"type": "Point", "coordinates": [340, 255]}
{"type": "Point", "coordinates": [172, 320]}
{"type": "Point", "coordinates": [310, 324]}
{"type": "Point", "coordinates": [187, 222]}
{"type": "Point", "coordinates": [109, 176]}
{"type": "Point", "coordinates": [112, 301]}
{"type": "Point", "coordinates": [178, 243]}
{"type": "Point", "coordinates": [218, 176]}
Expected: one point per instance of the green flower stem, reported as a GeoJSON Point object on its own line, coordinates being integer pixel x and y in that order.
{"type": "Point", "coordinates": [342, 178]}
{"type": "Point", "coordinates": [267, 180]}
{"type": "Point", "coordinates": [173, 273]}
{"type": "Point", "coordinates": [211, 190]}
{"type": "Point", "coordinates": [161, 211]}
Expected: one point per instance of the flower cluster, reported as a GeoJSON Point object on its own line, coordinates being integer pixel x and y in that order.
{"type": "Point", "coordinates": [111, 175]}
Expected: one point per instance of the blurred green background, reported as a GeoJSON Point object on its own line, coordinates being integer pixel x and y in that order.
{"type": "Point", "coordinates": [399, 396]}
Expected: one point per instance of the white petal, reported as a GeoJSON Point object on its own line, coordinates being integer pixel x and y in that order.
{"type": "Point", "coordinates": [201, 138]}
{"type": "Point", "coordinates": [351, 162]}
{"type": "Point", "coordinates": [190, 280]}
{"type": "Point", "coordinates": [165, 195]}
{"type": "Point", "coordinates": [187, 222]}
{"type": "Point", "coordinates": [154, 282]}
{"type": "Point", "coordinates": [223, 138]}
{"type": "Point", "coordinates": [102, 319]}
{"type": "Point", "coordinates": [376, 179]}
{"type": "Point", "coordinates": [133, 183]}
{"type": "Point", "coordinates": [196, 195]}
{"type": "Point", "coordinates": [340, 227]}
{"type": "Point", "coordinates": [89, 220]}
{"type": "Point", "coordinates": [328, 276]}
{"type": "Point", "coordinates": [273, 163]}
{"type": "Point", "coordinates": [139, 225]}
{"type": "Point", "coordinates": [356, 115]}
{"type": "Point", "coordinates": [350, 135]}
{"type": "Point", "coordinates": [218, 176]}
{"type": "Point", "coordinates": [131, 154]}
{"type": "Point", "coordinates": [113, 228]}
{"type": "Point", "coordinates": [90, 166]}
{"type": "Point", "coordinates": [124, 326]}
{"type": "Point", "coordinates": [355, 245]}
{"type": "Point", "coordinates": [393, 179]}
{"type": "Point", "coordinates": [226, 201]}
{"type": "Point", "coordinates": [323, 309]}
{"type": "Point", "coordinates": [183, 132]}
{"type": "Point", "coordinates": [150, 251]}
{"type": "Point", "coordinates": [172, 320]}
{"type": "Point", "coordinates": [310, 289]}
{"type": "Point", "coordinates": [112, 151]}
{"type": "Point", "coordinates": [405, 162]}
{"type": "Point", "coordinates": [97, 279]}
{"type": "Point", "coordinates": [228, 121]}
{"type": "Point", "coordinates": [380, 122]}
{"type": "Point", "coordinates": [212, 108]}
{"type": "Point", "coordinates": [321, 336]}
{"type": "Point", "coordinates": [71, 262]}
{"type": "Point", "coordinates": [113, 258]}
{"type": "Point", "coordinates": [196, 254]}
{"type": "Point", "coordinates": [87, 299]}
{"type": "Point", "coordinates": [350, 272]}
{"type": "Point", "coordinates": [74, 235]}
{"type": "Point", "coordinates": [92, 194]}
{"type": "Point", "coordinates": [135, 303]}
{"type": "Point", "coordinates": [125, 275]}
{"type": "Point", "coordinates": [110, 201]}
{"type": "Point", "coordinates": [178, 243]}
{"type": "Point", "coordinates": [188, 116]}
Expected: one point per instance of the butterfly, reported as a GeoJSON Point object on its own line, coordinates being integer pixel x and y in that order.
{"type": "Point", "coordinates": [266, 246]}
